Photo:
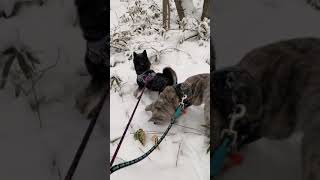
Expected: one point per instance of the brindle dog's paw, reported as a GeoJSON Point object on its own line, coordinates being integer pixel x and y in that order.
{"type": "Point", "coordinates": [148, 108]}
{"type": "Point", "coordinates": [156, 121]}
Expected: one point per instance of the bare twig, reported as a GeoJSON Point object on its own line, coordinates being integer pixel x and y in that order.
{"type": "Point", "coordinates": [156, 132]}
{"type": "Point", "coordinates": [115, 140]}
{"type": "Point", "coordinates": [176, 49]}
{"type": "Point", "coordinates": [145, 152]}
{"type": "Point", "coordinates": [119, 158]}
{"type": "Point", "coordinates": [192, 36]}
{"type": "Point", "coordinates": [41, 74]}
{"type": "Point", "coordinates": [188, 127]}
{"type": "Point", "coordinates": [178, 153]}
{"type": "Point", "coordinates": [37, 103]}
{"type": "Point", "coordinates": [194, 133]}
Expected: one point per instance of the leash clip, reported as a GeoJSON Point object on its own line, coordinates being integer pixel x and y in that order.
{"type": "Point", "coordinates": [182, 101]}
{"type": "Point", "coordinates": [235, 116]}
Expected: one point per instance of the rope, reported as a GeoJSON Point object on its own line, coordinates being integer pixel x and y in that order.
{"type": "Point", "coordinates": [85, 139]}
{"type": "Point", "coordinates": [129, 163]}
{"type": "Point", "coordinates": [127, 127]}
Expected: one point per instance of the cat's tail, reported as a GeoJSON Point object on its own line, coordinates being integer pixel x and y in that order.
{"type": "Point", "coordinates": [171, 75]}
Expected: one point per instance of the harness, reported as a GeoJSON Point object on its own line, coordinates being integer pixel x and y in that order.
{"type": "Point", "coordinates": [237, 131]}
{"type": "Point", "coordinates": [145, 77]}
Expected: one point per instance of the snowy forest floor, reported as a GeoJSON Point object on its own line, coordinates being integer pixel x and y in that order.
{"type": "Point", "coordinates": [182, 154]}
{"type": "Point", "coordinates": [27, 151]}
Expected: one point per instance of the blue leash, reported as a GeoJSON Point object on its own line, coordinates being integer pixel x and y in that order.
{"type": "Point", "coordinates": [219, 156]}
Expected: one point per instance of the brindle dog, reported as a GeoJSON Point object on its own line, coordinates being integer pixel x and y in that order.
{"type": "Point", "coordinates": [196, 87]}
{"type": "Point", "coordinates": [280, 86]}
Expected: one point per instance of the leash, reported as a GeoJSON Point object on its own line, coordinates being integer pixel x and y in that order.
{"type": "Point", "coordinates": [146, 80]}
{"type": "Point", "coordinates": [85, 139]}
{"type": "Point", "coordinates": [127, 127]}
{"type": "Point", "coordinates": [178, 112]}
{"type": "Point", "coordinates": [229, 139]}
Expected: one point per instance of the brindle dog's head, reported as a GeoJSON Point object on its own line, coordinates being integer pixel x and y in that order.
{"type": "Point", "coordinates": [164, 107]}
{"type": "Point", "coordinates": [233, 86]}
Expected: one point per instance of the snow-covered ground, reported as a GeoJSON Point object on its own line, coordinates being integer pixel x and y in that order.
{"type": "Point", "coordinates": [27, 151]}
{"type": "Point", "coordinates": [30, 152]}
{"type": "Point", "coordinates": [241, 26]}
{"type": "Point", "coordinates": [182, 154]}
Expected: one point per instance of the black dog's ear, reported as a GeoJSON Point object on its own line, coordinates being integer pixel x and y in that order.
{"type": "Point", "coordinates": [135, 54]}
{"type": "Point", "coordinates": [145, 53]}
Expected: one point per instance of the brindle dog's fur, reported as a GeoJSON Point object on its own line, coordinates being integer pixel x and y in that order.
{"type": "Point", "coordinates": [198, 93]}
{"type": "Point", "coordinates": [288, 73]}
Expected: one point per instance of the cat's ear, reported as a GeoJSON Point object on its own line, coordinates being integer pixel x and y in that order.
{"type": "Point", "coordinates": [145, 53]}
{"type": "Point", "coordinates": [134, 54]}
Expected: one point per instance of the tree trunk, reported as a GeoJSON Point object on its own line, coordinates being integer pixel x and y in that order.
{"type": "Point", "coordinates": [166, 14]}
{"type": "Point", "coordinates": [205, 9]}
{"type": "Point", "coordinates": [179, 9]}
{"type": "Point", "coordinates": [168, 19]}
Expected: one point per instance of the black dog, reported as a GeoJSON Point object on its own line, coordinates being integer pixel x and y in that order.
{"type": "Point", "coordinates": [147, 77]}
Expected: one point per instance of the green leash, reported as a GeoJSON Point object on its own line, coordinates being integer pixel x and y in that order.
{"type": "Point", "coordinates": [177, 114]}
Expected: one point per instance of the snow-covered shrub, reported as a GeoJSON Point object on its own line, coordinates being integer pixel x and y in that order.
{"type": "Point", "coordinates": [188, 23]}
{"type": "Point", "coordinates": [115, 83]}
{"type": "Point", "coordinates": [119, 41]}
{"type": "Point", "coordinates": [201, 27]}
{"type": "Point", "coordinates": [204, 29]}
{"type": "Point", "coordinates": [20, 65]}
{"type": "Point", "coordinates": [141, 18]}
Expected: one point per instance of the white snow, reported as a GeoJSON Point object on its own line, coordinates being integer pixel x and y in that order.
{"type": "Point", "coordinates": [241, 26]}
{"type": "Point", "coordinates": [28, 151]}
{"type": "Point", "coordinates": [187, 59]}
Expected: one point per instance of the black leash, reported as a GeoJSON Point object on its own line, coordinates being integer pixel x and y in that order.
{"type": "Point", "coordinates": [127, 127]}
{"type": "Point", "coordinates": [129, 163]}
{"type": "Point", "coordinates": [85, 139]}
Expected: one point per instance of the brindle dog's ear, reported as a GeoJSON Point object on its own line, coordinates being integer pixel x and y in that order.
{"type": "Point", "coordinates": [145, 53]}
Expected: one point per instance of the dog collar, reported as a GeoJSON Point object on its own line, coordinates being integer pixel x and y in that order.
{"type": "Point", "coordinates": [184, 94]}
